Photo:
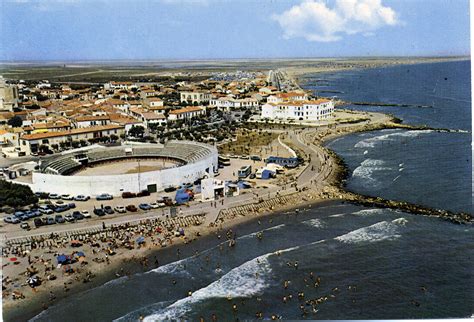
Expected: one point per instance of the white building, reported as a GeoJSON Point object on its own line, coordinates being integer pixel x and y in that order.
{"type": "Point", "coordinates": [287, 97]}
{"type": "Point", "coordinates": [186, 113]}
{"type": "Point", "coordinates": [226, 103]}
{"type": "Point", "coordinates": [195, 97]}
{"type": "Point", "coordinates": [314, 110]}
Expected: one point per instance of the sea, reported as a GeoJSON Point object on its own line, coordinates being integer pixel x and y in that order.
{"type": "Point", "coordinates": [335, 260]}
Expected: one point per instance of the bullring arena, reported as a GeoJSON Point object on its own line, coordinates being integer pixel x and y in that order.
{"type": "Point", "coordinates": [130, 168]}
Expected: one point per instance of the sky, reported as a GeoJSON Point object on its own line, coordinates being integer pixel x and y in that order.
{"type": "Point", "coordinates": [213, 29]}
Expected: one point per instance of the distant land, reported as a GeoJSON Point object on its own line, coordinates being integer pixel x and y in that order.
{"type": "Point", "coordinates": [150, 70]}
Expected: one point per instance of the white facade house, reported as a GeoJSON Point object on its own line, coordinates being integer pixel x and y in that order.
{"type": "Point", "coordinates": [314, 110]}
{"type": "Point", "coordinates": [195, 97]}
{"type": "Point", "coordinates": [226, 103]}
{"type": "Point", "coordinates": [186, 113]}
{"type": "Point", "coordinates": [287, 97]}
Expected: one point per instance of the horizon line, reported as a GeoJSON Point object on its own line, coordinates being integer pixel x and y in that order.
{"type": "Point", "coordinates": [228, 59]}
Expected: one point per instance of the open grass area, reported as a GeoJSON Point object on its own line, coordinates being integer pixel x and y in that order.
{"type": "Point", "coordinates": [247, 141]}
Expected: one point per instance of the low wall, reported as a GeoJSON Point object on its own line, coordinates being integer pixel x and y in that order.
{"type": "Point", "coordinates": [116, 184]}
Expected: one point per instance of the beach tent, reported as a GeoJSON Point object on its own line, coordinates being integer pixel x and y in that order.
{"type": "Point", "coordinates": [140, 240]}
{"type": "Point", "coordinates": [183, 196]}
{"type": "Point", "coordinates": [267, 174]}
{"type": "Point", "coordinates": [62, 259]}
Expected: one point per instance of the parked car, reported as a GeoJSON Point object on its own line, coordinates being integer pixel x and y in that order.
{"type": "Point", "coordinates": [81, 198]}
{"type": "Point", "coordinates": [168, 201]}
{"type": "Point", "coordinates": [50, 220]}
{"type": "Point", "coordinates": [8, 219]}
{"type": "Point", "coordinates": [144, 206]}
{"type": "Point", "coordinates": [99, 212]}
{"type": "Point", "coordinates": [143, 193]}
{"type": "Point", "coordinates": [108, 210]}
{"type": "Point", "coordinates": [44, 209]}
{"type": "Point", "coordinates": [67, 197]}
{"type": "Point", "coordinates": [69, 218]}
{"type": "Point", "coordinates": [253, 176]}
{"type": "Point", "coordinates": [127, 194]}
{"type": "Point", "coordinates": [255, 158]}
{"type": "Point", "coordinates": [59, 219]}
{"type": "Point", "coordinates": [131, 208]}
{"type": "Point", "coordinates": [154, 205]}
{"type": "Point", "coordinates": [104, 196]}
{"type": "Point", "coordinates": [77, 215]}
{"type": "Point", "coordinates": [244, 157]}
{"type": "Point", "coordinates": [61, 208]}
{"type": "Point", "coordinates": [170, 189]}
{"type": "Point", "coordinates": [38, 222]}
{"type": "Point", "coordinates": [120, 209]}
{"type": "Point", "coordinates": [53, 196]}
{"type": "Point", "coordinates": [18, 214]}
{"type": "Point", "coordinates": [25, 225]}
{"type": "Point", "coordinates": [86, 214]}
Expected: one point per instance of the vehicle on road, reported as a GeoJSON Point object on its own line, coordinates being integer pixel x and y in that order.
{"type": "Point", "coordinates": [144, 206]}
{"type": "Point", "coordinates": [99, 212]}
{"type": "Point", "coordinates": [86, 214]}
{"type": "Point", "coordinates": [104, 196]}
{"type": "Point", "coordinates": [25, 225]}
{"type": "Point", "coordinates": [131, 208]}
{"type": "Point", "coordinates": [108, 210]}
{"type": "Point", "coordinates": [59, 219]}
{"type": "Point", "coordinates": [71, 205]}
{"type": "Point", "coordinates": [81, 198]}
{"type": "Point", "coordinates": [120, 209]}
{"type": "Point", "coordinates": [67, 197]}
{"type": "Point", "coordinates": [255, 158]}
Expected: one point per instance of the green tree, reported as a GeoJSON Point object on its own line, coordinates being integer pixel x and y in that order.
{"type": "Point", "coordinates": [15, 121]}
{"type": "Point", "coordinates": [137, 131]}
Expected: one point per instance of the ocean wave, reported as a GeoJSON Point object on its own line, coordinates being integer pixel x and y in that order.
{"type": "Point", "coordinates": [317, 223]}
{"type": "Point", "coordinates": [336, 215]}
{"type": "Point", "coordinates": [246, 280]}
{"type": "Point", "coordinates": [380, 231]}
{"type": "Point", "coordinates": [368, 212]}
{"type": "Point", "coordinates": [178, 267]}
{"type": "Point", "coordinates": [371, 142]}
{"type": "Point", "coordinates": [366, 170]}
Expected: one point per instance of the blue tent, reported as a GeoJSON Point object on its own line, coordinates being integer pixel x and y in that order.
{"type": "Point", "coordinates": [140, 240]}
{"type": "Point", "coordinates": [62, 259]}
{"type": "Point", "coordinates": [267, 174]}
{"type": "Point", "coordinates": [79, 254]}
{"type": "Point", "coordinates": [183, 196]}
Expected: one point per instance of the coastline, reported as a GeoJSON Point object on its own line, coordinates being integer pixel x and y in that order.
{"type": "Point", "coordinates": [132, 261]}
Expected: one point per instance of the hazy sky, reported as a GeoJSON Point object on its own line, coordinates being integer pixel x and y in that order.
{"type": "Point", "coordinates": [200, 29]}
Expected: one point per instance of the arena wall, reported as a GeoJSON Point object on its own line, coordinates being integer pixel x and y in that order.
{"type": "Point", "coordinates": [116, 184]}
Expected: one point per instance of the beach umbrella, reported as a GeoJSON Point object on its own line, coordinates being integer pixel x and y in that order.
{"type": "Point", "coordinates": [13, 259]}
